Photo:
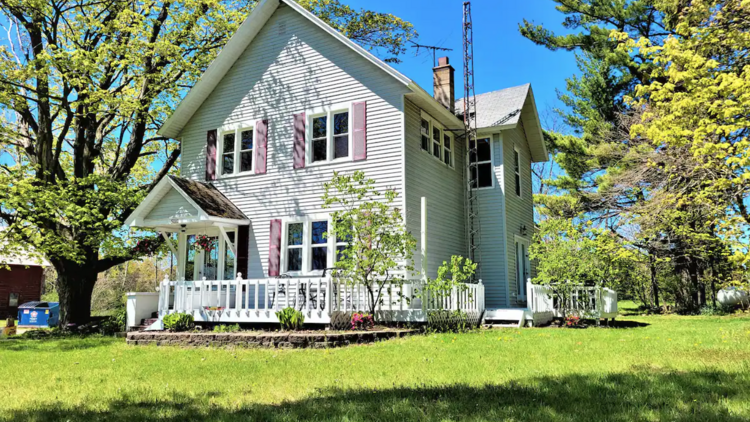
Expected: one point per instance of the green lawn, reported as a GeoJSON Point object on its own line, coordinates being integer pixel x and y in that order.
{"type": "Point", "coordinates": [664, 368]}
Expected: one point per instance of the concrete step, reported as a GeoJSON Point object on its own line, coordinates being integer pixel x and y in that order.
{"type": "Point", "coordinates": [509, 325]}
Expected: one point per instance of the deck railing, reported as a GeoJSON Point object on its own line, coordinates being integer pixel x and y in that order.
{"type": "Point", "coordinates": [593, 301]}
{"type": "Point", "coordinates": [258, 300]}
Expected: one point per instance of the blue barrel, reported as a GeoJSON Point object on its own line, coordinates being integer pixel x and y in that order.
{"type": "Point", "coordinates": [38, 314]}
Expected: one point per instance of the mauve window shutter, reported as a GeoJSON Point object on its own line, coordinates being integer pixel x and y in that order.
{"type": "Point", "coordinates": [274, 249]}
{"type": "Point", "coordinates": [359, 138]}
{"type": "Point", "coordinates": [211, 155]}
{"type": "Point", "coordinates": [243, 249]}
{"type": "Point", "coordinates": [261, 148]}
{"type": "Point", "coordinates": [299, 140]}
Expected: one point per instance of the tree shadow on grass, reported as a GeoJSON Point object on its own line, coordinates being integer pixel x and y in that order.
{"type": "Point", "coordinates": [20, 344]}
{"type": "Point", "coordinates": [642, 395]}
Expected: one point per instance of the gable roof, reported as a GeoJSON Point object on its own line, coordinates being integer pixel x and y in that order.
{"type": "Point", "coordinates": [210, 203]}
{"type": "Point", "coordinates": [209, 199]}
{"type": "Point", "coordinates": [241, 39]}
{"type": "Point", "coordinates": [503, 109]}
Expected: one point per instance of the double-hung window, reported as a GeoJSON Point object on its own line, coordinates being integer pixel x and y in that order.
{"type": "Point", "coordinates": [425, 130]}
{"type": "Point", "coordinates": [517, 169]}
{"type": "Point", "coordinates": [294, 246]}
{"type": "Point", "coordinates": [436, 140]}
{"type": "Point", "coordinates": [480, 158]}
{"type": "Point", "coordinates": [236, 151]}
{"type": "Point", "coordinates": [329, 136]}
{"type": "Point", "coordinates": [447, 149]}
{"type": "Point", "coordinates": [436, 146]}
{"type": "Point", "coordinates": [318, 245]}
{"type": "Point", "coordinates": [307, 246]}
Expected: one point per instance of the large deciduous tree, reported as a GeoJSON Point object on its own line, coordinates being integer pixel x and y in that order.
{"type": "Point", "coordinates": [83, 87]}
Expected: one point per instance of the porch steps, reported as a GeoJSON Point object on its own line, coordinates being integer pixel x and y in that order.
{"type": "Point", "coordinates": [507, 317]}
{"type": "Point", "coordinates": [146, 322]}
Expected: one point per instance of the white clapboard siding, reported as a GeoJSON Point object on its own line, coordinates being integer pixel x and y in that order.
{"type": "Point", "coordinates": [520, 211]}
{"type": "Point", "coordinates": [173, 204]}
{"type": "Point", "coordinates": [426, 176]}
{"type": "Point", "coordinates": [284, 72]}
{"type": "Point", "coordinates": [491, 252]}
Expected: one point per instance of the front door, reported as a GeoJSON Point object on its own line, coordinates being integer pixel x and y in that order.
{"type": "Point", "coordinates": [522, 266]}
{"type": "Point", "coordinates": [201, 262]}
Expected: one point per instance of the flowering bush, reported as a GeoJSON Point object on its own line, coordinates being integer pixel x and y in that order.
{"type": "Point", "coordinates": [572, 321]}
{"type": "Point", "coordinates": [362, 321]}
{"type": "Point", "coordinates": [204, 243]}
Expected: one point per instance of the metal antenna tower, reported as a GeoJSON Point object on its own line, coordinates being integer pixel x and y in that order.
{"type": "Point", "coordinates": [470, 137]}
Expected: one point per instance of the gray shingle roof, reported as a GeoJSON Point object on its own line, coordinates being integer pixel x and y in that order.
{"type": "Point", "coordinates": [498, 108]}
{"type": "Point", "coordinates": [209, 199]}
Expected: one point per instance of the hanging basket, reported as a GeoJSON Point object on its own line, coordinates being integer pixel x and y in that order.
{"type": "Point", "coordinates": [146, 246]}
{"type": "Point", "coordinates": [203, 243]}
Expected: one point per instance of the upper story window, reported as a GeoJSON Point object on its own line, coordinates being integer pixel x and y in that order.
{"type": "Point", "coordinates": [517, 169]}
{"type": "Point", "coordinates": [236, 149]}
{"type": "Point", "coordinates": [425, 130]}
{"type": "Point", "coordinates": [329, 136]}
{"type": "Point", "coordinates": [436, 140]}
{"type": "Point", "coordinates": [481, 160]}
{"type": "Point", "coordinates": [436, 147]}
{"type": "Point", "coordinates": [447, 149]}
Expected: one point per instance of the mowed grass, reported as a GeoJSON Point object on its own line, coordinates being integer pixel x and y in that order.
{"type": "Point", "coordinates": [662, 368]}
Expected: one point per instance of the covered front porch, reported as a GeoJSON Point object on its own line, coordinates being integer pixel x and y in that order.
{"type": "Point", "coordinates": [205, 231]}
{"type": "Point", "coordinates": [257, 300]}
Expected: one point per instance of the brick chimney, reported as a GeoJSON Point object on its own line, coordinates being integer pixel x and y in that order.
{"type": "Point", "coordinates": [444, 84]}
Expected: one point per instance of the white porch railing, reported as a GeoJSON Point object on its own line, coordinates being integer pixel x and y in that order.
{"type": "Point", "coordinates": [258, 300]}
{"type": "Point", "coordinates": [599, 302]}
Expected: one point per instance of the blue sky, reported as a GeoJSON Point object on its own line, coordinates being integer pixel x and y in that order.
{"type": "Point", "coordinates": [502, 57]}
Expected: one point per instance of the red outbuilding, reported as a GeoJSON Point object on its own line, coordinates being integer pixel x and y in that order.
{"type": "Point", "coordinates": [21, 281]}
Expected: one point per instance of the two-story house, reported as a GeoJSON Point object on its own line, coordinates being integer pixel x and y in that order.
{"type": "Point", "coordinates": [287, 102]}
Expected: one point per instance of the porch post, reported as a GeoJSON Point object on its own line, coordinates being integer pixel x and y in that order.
{"type": "Point", "coordinates": [424, 238]}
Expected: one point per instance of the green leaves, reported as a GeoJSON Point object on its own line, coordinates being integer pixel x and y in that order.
{"type": "Point", "coordinates": [379, 249]}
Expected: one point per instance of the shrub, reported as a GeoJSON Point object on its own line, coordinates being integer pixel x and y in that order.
{"type": "Point", "coordinates": [290, 319]}
{"type": "Point", "coordinates": [445, 321]}
{"type": "Point", "coordinates": [221, 328]}
{"type": "Point", "coordinates": [719, 310]}
{"type": "Point", "coordinates": [115, 323]}
{"type": "Point", "coordinates": [362, 321]}
{"type": "Point", "coordinates": [178, 322]}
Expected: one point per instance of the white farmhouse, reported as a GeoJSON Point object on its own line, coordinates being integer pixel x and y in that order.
{"type": "Point", "coordinates": [287, 102]}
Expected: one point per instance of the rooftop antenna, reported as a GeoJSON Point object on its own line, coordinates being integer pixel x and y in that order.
{"type": "Point", "coordinates": [470, 136]}
{"type": "Point", "coordinates": [434, 49]}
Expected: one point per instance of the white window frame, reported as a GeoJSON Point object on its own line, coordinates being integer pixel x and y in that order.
{"type": "Point", "coordinates": [490, 162]}
{"type": "Point", "coordinates": [521, 287]}
{"type": "Point", "coordinates": [306, 244]}
{"type": "Point", "coordinates": [329, 112]}
{"type": "Point", "coordinates": [517, 182]}
{"type": "Point", "coordinates": [449, 150]}
{"type": "Point", "coordinates": [200, 255]}
{"type": "Point", "coordinates": [434, 124]}
{"type": "Point", "coordinates": [237, 129]}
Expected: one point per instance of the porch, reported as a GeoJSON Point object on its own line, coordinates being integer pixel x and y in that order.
{"type": "Point", "coordinates": [257, 300]}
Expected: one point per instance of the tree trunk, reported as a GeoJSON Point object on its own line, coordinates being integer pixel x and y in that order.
{"type": "Point", "coordinates": [75, 285]}
{"type": "Point", "coordinates": [654, 282]}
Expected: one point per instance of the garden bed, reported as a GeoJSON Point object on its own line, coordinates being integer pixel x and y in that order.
{"type": "Point", "coordinates": [269, 340]}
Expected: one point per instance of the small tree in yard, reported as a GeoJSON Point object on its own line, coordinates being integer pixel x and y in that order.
{"type": "Point", "coordinates": [572, 255]}
{"type": "Point", "coordinates": [450, 276]}
{"type": "Point", "coordinates": [379, 249]}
